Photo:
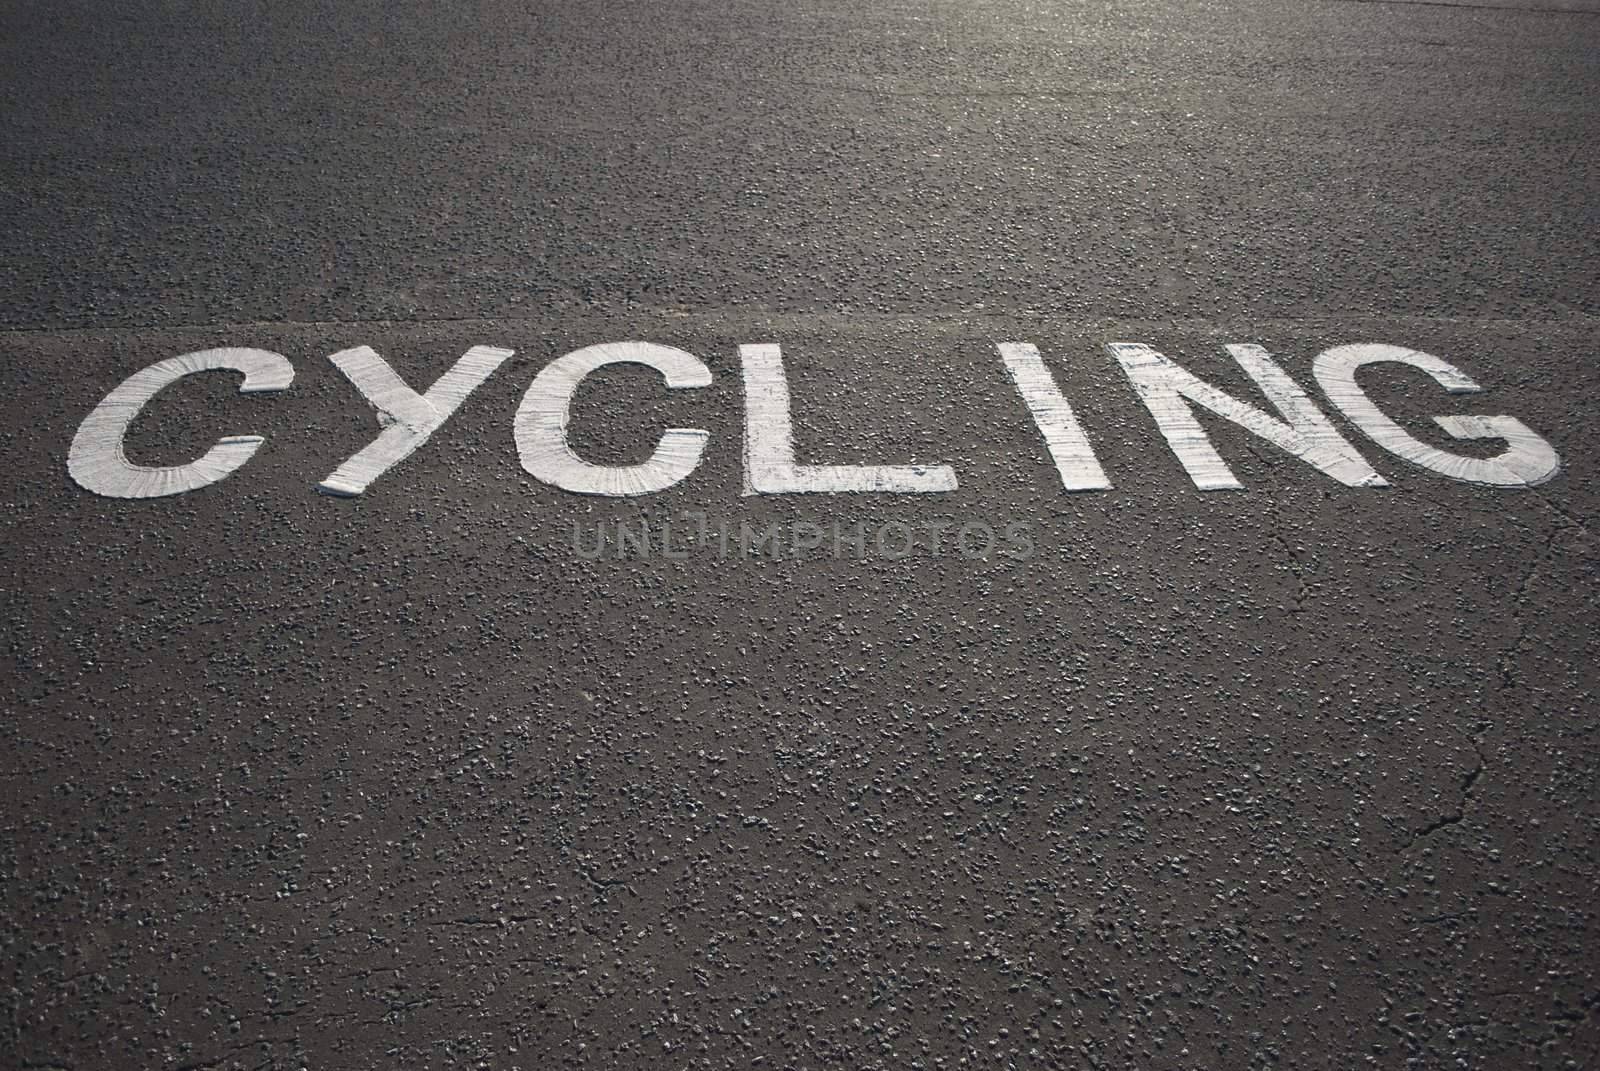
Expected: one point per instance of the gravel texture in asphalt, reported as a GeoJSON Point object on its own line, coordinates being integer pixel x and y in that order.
{"type": "Point", "coordinates": [470, 771]}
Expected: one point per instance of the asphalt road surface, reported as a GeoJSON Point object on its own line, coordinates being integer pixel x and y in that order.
{"type": "Point", "coordinates": [460, 773]}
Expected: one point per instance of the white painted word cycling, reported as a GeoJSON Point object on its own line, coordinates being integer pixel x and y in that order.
{"type": "Point", "coordinates": [97, 461]}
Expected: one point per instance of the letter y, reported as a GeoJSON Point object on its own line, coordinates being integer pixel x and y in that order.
{"type": "Point", "coordinates": [408, 418]}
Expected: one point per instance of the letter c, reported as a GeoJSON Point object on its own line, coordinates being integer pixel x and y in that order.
{"type": "Point", "coordinates": [96, 460]}
{"type": "Point", "coordinates": [541, 423]}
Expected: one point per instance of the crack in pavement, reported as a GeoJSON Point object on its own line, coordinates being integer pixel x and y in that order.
{"type": "Point", "coordinates": [1275, 517]}
{"type": "Point", "coordinates": [1508, 658]}
{"type": "Point", "coordinates": [478, 920]}
{"type": "Point", "coordinates": [1455, 817]}
{"type": "Point", "coordinates": [1478, 7]}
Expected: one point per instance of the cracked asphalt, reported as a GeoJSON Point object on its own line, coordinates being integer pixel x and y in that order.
{"type": "Point", "coordinates": [442, 776]}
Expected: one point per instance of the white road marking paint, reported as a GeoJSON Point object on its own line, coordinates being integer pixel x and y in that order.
{"type": "Point", "coordinates": [1064, 437]}
{"type": "Point", "coordinates": [1527, 461]}
{"type": "Point", "coordinates": [1166, 389]}
{"type": "Point", "coordinates": [769, 465]}
{"type": "Point", "coordinates": [96, 460]}
{"type": "Point", "coordinates": [408, 418]}
{"type": "Point", "coordinates": [541, 423]}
